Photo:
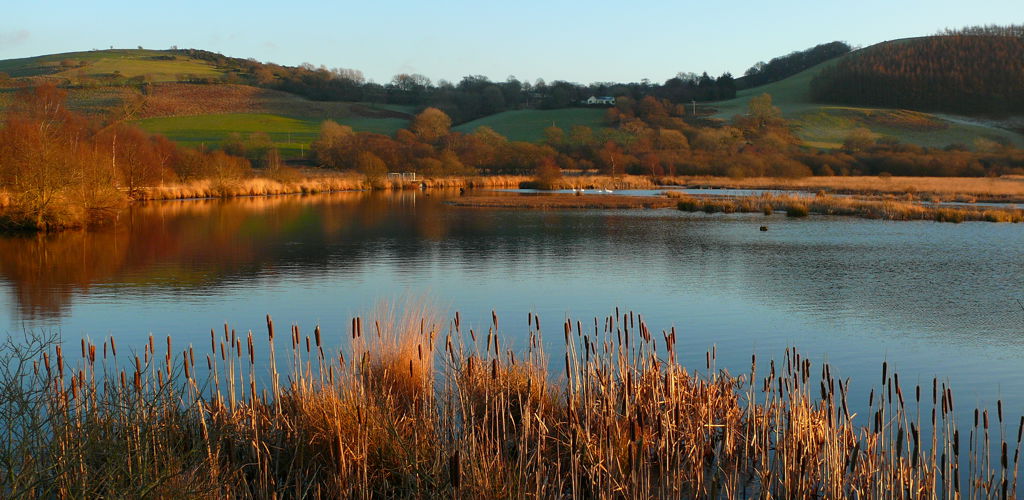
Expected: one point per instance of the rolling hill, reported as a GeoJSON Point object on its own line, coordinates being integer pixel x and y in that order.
{"type": "Point", "coordinates": [150, 88]}
{"type": "Point", "coordinates": [159, 90]}
{"type": "Point", "coordinates": [827, 125]}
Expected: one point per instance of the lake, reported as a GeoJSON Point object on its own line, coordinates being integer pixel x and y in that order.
{"type": "Point", "coordinates": [932, 299]}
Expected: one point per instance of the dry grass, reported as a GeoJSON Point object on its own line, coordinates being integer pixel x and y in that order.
{"type": "Point", "coordinates": [960, 189]}
{"type": "Point", "coordinates": [257, 186]}
{"type": "Point", "coordinates": [313, 181]}
{"type": "Point", "coordinates": [599, 182]}
{"type": "Point", "coordinates": [393, 416]}
{"type": "Point", "coordinates": [800, 206]}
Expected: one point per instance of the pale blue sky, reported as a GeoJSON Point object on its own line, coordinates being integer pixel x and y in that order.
{"type": "Point", "coordinates": [576, 41]}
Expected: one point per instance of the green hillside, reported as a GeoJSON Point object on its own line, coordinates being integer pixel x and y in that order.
{"type": "Point", "coordinates": [290, 135]}
{"type": "Point", "coordinates": [101, 82]}
{"type": "Point", "coordinates": [98, 65]}
{"type": "Point", "coordinates": [828, 125]}
{"type": "Point", "coordinates": [104, 81]}
{"type": "Point", "coordinates": [529, 124]}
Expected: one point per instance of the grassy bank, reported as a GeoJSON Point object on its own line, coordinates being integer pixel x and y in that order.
{"type": "Point", "coordinates": [420, 406]}
{"type": "Point", "coordinates": [320, 182]}
{"type": "Point", "coordinates": [800, 206]}
{"type": "Point", "coordinates": [261, 186]}
{"type": "Point", "coordinates": [961, 189]}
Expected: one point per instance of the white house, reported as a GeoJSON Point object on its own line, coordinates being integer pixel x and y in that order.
{"type": "Point", "coordinates": [603, 100]}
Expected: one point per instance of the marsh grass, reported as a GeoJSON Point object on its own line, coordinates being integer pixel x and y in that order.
{"type": "Point", "coordinates": [871, 208]}
{"type": "Point", "coordinates": [958, 189]}
{"type": "Point", "coordinates": [419, 407]}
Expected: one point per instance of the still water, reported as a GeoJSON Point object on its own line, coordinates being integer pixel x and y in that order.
{"type": "Point", "coordinates": [932, 299]}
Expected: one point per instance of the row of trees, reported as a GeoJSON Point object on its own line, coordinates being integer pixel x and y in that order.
{"type": "Point", "coordinates": [979, 71]}
{"type": "Point", "coordinates": [788, 65]}
{"type": "Point", "coordinates": [648, 137]}
{"type": "Point", "coordinates": [472, 97]}
{"type": "Point", "coordinates": [60, 169]}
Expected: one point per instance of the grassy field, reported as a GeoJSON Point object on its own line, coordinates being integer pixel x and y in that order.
{"type": "Point", "coordinates": [529, 124]}
{"type": "Point", "coordinates": [291, 135]}
{"type": "Point", "coordinates": [99, 63]}
{"type": "Point", "coordinates": [826, 126]}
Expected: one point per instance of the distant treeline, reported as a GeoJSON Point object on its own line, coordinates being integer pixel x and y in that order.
{"type": "Point", "coordinates": [972, 71]}
{"type": "Point", "coordinates": [473, 97]}
{"type": "Point", "coordinates": [785, 66]}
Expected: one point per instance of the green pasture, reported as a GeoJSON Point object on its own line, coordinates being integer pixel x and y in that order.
{"type": "Point", "coordinates": [291, 136]}
{"type": "Point", "coordinates": [529, 124]}
{"type": "Point", "coordinates": [129, 62]}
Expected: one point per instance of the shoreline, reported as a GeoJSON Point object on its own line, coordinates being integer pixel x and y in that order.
{"type": "Point", "coordinates": [891, 198]}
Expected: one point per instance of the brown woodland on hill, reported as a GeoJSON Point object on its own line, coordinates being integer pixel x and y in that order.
{"type": "Point", "coordinates": [963, 72]}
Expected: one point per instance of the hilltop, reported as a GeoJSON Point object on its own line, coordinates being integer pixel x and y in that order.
{"type": "Point", "coordinates": [191, 100]}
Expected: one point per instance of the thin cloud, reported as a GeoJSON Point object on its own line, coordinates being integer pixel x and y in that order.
{"type": "Point", "coordinates": [13, 38]}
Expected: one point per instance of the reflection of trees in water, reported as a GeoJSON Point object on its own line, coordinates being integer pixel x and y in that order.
{"type": "Point", "coordinates": [887, 273]}
{"type": "Point", "coordinates": [197, 243]}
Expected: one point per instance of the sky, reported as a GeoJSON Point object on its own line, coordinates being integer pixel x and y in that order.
{"type": "Point", "coordinates": [583, 42]}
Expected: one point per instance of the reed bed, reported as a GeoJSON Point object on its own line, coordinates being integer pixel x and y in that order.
{"type": "Point", "coordinates": [423, 407]}
{"type": "Point", "coordinates": [584, 181]}
{"type": "Point", "coordinates": [257, 186]}
{"type": "Point", "coordinates": [1008, 189]}
{"type": "Point", "coordinates": [800, 206]}
{"type": "Point", "coordinates": [307, 182]}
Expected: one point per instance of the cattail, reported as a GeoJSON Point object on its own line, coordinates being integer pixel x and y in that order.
{"type": "Point", "coordinates": [455, 470]}
{"type": "Point", "coordinates": [316, 333]}
{"type": "Point", "coordinates": [113, 346]}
